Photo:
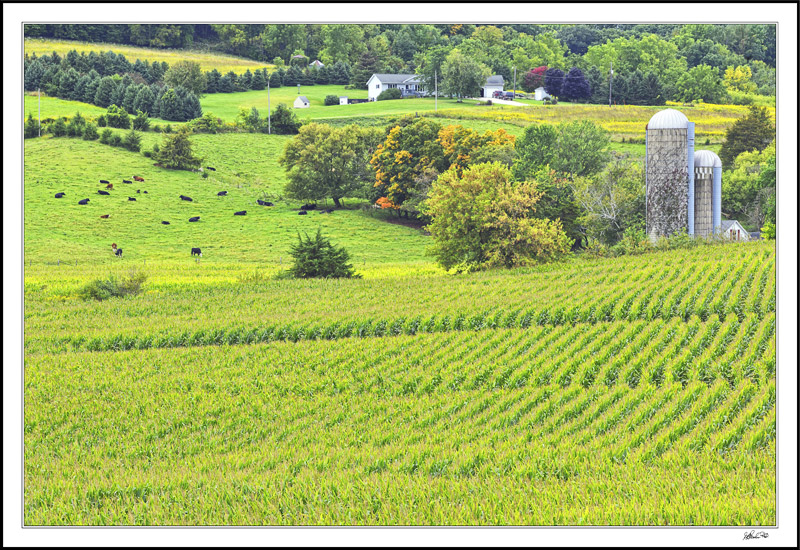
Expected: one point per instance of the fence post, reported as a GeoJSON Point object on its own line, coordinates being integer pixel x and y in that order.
{"type": "Point", "coordinates": [59, 262]}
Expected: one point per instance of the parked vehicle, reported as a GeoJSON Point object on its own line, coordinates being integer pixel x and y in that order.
{"type": "Point", "coordinates": [507, 95]}
{"type": "Point", "coordinates": [497, 94]}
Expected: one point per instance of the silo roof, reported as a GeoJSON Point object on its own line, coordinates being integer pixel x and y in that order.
{"type": "Point", "coordinates": [668, 118]}
{"type": "Point", "coordinates": [706, 159]}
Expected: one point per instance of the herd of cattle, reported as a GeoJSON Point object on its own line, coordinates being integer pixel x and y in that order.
{"type": "Point", "coordinates": [195, 251]}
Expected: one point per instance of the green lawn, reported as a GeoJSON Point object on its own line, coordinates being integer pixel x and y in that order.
{"type": "Point", "coordinates": [53, 107]}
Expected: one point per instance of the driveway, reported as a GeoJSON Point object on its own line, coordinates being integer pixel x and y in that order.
{"type": "Point", "coordinates": [503, 101]}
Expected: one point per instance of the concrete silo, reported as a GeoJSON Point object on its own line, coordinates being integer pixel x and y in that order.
{"type": "Point", "coordinates": [669, 174]}
{"type": "Point", "coordinates": [707, 193]}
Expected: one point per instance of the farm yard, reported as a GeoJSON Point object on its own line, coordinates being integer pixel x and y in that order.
{"type": "Point", "coordinates": [625, 383]}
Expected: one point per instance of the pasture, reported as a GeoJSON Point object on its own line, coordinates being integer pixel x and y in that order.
{"type": "Point", "coordinates": [207, 60]}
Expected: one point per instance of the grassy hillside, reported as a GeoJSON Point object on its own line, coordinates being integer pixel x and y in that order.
{"type": "Point", "coordinates": [207, 60]}
{"type": "Point", "coordinates": [60, 229]}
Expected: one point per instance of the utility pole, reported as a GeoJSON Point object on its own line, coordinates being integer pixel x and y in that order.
{"type": "Point", "coordinates": [436, 92]}
{"type": "Point", "coordinates": [610, 79]}
{"type": "Point", "coordinates": [40, 111]}
{"type": "Point", "coordinates": [269, 111]}
{"type": "Point", "coordinates": [514, 91]}
{"type": "Point", "coordinates": [298, 88]}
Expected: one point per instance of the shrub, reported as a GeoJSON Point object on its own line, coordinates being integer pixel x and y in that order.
{"type": "Point", "coordinates": [132, 141]}
{"type": "Point", "coordinates": [391, 93]}
{"type": "Point", "coordinates": [768, 231]}
{"type": "Point", "coordinates": [148, 154]}
{"type": "Point", "coordinates": [168, 129]}
{"type": "Point", "coordinates": [156, 127]}
{"type": "Point", "coordinates": [112, 287]}
{"type": "Point", "coordinates": [118, 117]}
{"type": "Point", "coordinates": [90, 132]}
{"type": "Point", "coordinates": [176, 152]}
{"type": "Point", "coordinates": [141, 122]}
{"type": "Point", "coordinates": [284, 121]}
{"type": "Point", "coordinates": [31, 127]}
{"type": "Point", "coordinates": [331, 99]}
{"type": "Point", "coordinates": [58, 128]}
{"type": "Point", "coordinates": [316, 257]}
{"type": "Point", "coordinates": [105, 136]}
{"type": "Point", "coordinates": [206, 124]}
{"type": "Point", "coordinates": [101, 121]}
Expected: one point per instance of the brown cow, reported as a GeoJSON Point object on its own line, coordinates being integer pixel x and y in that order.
{"type": "Point", "coordinates": [110, 186]}
{"type": "Point", "coordinates": [138, 178]}
{"type": "Point", "coordinates": [104, 216]}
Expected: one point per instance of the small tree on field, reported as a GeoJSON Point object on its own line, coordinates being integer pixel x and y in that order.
{"type": "Point", "coordinates": [284, 120]}
{"type": "Point", "coordinates": [132, 141]}
{"type": "Point", "coordinates": [176, 152]}
{"type": "Point", "coordinates": [141, 122]}
{"type": "Point", "coordinates": [316, 257]}
{"type": "Point", "coordinates": [31, 127]}
{"type": "Point", "coordinates": [117, 117]}
{"type": "Point", "coordinates": [331, 99]}
{"type": "Point", "coordinates": [90, 132]}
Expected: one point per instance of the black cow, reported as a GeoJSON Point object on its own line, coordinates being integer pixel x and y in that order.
{"type": "Point", "coordinates": [101, 192]}
{"type": "Point", "coordinates": [197, 252]}
{"type": "Point", "coordinates": [268, 204]}
{"type": "Point", "coordinates": [59, 195]}
{"type": "Point", "coordinates": [138, 190]}
{"type": "Point", "coordinates": [84, 201]}
{"type": "Point", "coordinates": [212, 169]}
{"type": "Point", "coordinates": [308, 207]}
{"type": "Point", "coordinates": [165, 223]}
{"type": "Point", "coordinates": [185, 198]}
{"type": "Point", "coordinates": [194, 219]}
{"type": "Point", "coordinates": [302, 213]}
{"type": "Point", "coordinates": [127, 181]}
{"type": "Point", "coordinates": [131, 199]}
{"type": "Point", "coordinates": [104, 181]}
{"type": "Point", "coordinates": [222, 193]}
{"type": "Point", "coordinates": [145, 192]}
{"type": "Point", "coordinates": [260, 202]}
{"type": "Point", "coordinates": [118, 252]}
{"type": "Point", "coordinates": [240, 213]}
{"type": "Point", "coordinates": [328, 211]}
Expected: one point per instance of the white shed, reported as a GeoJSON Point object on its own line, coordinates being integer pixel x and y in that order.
{"type": "Point", "coordinates": [493, 83]}
{"type": "Point", "coordinates": [301, 102]}
{"type": "Point", "coordinates": [342, 100]}
{"type": "Point", "coordinates": [733, 230]}
{"type": "Point", "coordinates": [539, 94]}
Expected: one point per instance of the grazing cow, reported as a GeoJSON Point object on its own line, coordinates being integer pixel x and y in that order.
{"type": "Point", "coordinates": [110, 186]}
{"type": "Point", "coordinates": [103, 181]}
{"type": "Point", "coordinates": [104, 216]}
{"type": "Point", "coordinates": [308, 207]}
{"type": "Point", "coordinates": [197, 252]}
{"type": "Point", "coordinates": [240, 213]}
{"type": "Point", "coordinates": [127, 181]}
{"type": "Point", "coordinates": [268, 204]}
{"type": "Point", "coordinates": [212, 169]}
{"type": "Point", "coordinates": [138, 190]}
{"type": "Point", "coordinates": [165, 223]}
{"type": "Point", "coordinates": [194, 219]}
{"type": "Point", "coordinates": [222, 193]}
{"type": "Point", "coordinates": [302, 213]}
{"type": "Point", "coordinates": [117, 251]}
{"type": "Point", "coordinates": [260, 202]}
{"type": "Point", "coordinates": [185, 198]}
{"type": "Point", "coordinates": [84, 201]}
{"type": "Point", "coordinates": [138, 178]}
{"type": "Point", "coordinates": [59, 195]}
{"type": "Point", "coordinates": [145, 192]}
{"type": "Point", "coordinates": [101, 192]}
{"type": "Point", "coordinates": [131, 199]}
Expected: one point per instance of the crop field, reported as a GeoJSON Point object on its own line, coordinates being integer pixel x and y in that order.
{"type": "Point", "coordinates": [207, 60]}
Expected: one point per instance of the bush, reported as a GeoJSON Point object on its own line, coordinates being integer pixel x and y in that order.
{"type": "Point", "coordinates": [132, 141]}
{"type": "Point", "coordinates": [331, 99]}
{"type": "Point", "coordinates": [116, 140]}
{"type": "Point", "coordinates": [317, 258]}
{"type": "Point", "coordinates": [58, 128]}
{"type": "Point", "coordinates": [284, 121]}
{"type": "Point", "coordinates": [176, 152]}
{"type": "Point", "coordinates": [118, 117]}
{"type": "Point", "coordinates": [168, 129]}
{"type": "Point", "coordinates": [101, 121]}
{"type": "Point", "coordinates": [206, 124]}
{"type": "Point", "coordinates": [768, 231]}
{"type": "Point", "coordinates": [105, 136]}
{"type": "Point", "coordinates": [102, 289]}
{"type": "Point", "coordinates": [391, 93]}
{"type": "Point", "coordinates": [31, 127]}
{"type": "Point", "coordinates": [156, 127]}
{"type": "Point", "coordinates": [90, 132]}
{"type": "Point", "coordinates": [148, 154]}
{"type": "Point", "coordinates": [141, 122]}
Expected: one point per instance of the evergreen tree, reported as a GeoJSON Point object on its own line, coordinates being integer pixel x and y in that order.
{"type": "Point", "coordinates": [141, 122]}
{"type": "Point", "coordinates": [132, 141]}
{"type": "Point", "coordinates": [575, 86]}
{"type": "Point", "coordinates": [318, 258]}
{"type": "Point", "coordinates": [33, 75]}
{"type": "Point", "coordinates": [90, 91]}
{"type": "Point", "coordinates": [144, 100]}
{"type": "Point", "coordinates": [170, 107]}
{"type": "Point", "coordinates": [553, 81]}
{"type": "Point", "coordinates": [106, 87]}
{"type": "Point", "coordinates": [50, 80]}
{"type": "Point", "coordinates": [66, 86]}
{"type": "Point", "coordinates": [31, 127]}
{"type": "Point", "coordinates": [129, 99]}
{"type": "Point", "coordinates": [276, 78]}
{"type": "Point", "coordinates": [652, 90]}
{"type": "Point", "coordinates": [598, 84]}
{"type": "Point", "coordinates": [284, 120]}
{"type": "Point", "coordinates": [246, 81]}
{"type": "Point", "coordinates": [90, 132]}
{"type": "Point", "coordinates": [190, 107]}
{"type": "Point", "coordinates": [367, 65]}
{"type": "Point", "coordinates": [212, 81]}
{"type": "Point", "coordinates": [226, 85]}
{"type": "Point", "coordinates": [753, 131]}
{"type": "Point", "coordinates": [259, 82]}
{"type": "Point", "coordinates": [293, 77]}
{"type": "Point", "coordinates": [635, 93]}
{"type": "Point", "coordinates": [176, 150]}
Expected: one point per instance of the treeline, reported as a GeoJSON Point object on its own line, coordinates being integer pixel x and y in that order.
{"type": "Point", "coordinates": [216, 82]}
{"type": "Point", "coordinates": [701, 54]}
{"type": "Point", "coordinates": [105, 79]}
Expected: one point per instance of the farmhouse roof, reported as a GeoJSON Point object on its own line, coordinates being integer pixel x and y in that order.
{"type": "Point", "coordinates": [303, 98]}
{"type": "Point", "coordinates": [727, 224]}
{"type": "Point", "coordinates": [396, 78]}
{"type": "Point", "coordinates": [494, 80]}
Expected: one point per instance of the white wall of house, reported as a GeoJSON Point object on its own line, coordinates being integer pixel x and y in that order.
{"type": "Point", "coordinates": [489, 89]}
{"type": "Point", "coordinates": [342, 100]}
{"type": "Point", "coordinates": [301, 103]}
{"type": "Point", "coordinates": [539, 94]}
{"type": "Point", "coordinates": [737, 233]}
{"type": "Point", "coordinates": [375, 87]}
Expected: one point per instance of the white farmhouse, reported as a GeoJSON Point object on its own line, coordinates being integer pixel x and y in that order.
{"type": "Point", "coordinates": [493, 84]}
{"type": "Point", "coordinates": [539, 94]}
{"type": "Point", "coordinates": [301, 102]}
{"type": "Point", "coordinates": [342, 100]}
{"type": "Point", "coordinates": [408, 84]}
{"type": "Point", "coordinates": [733, 230]}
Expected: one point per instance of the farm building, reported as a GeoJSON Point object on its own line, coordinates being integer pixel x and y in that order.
{"type": "Point", "coordinates": [539, 94]}
{"type": "Point", "coordinates": [408, 84]}
{"type": "Point", "coordinates": [317, 64]}
{"type": "Point", "coordinates": [301, 102]}
{"type": "Point", "coordinates": [343, 100]}
{"type": "Point", "coordinates": [707, 193]}
{"type": "Point", "coordinates": [493, 84]}
{"type": "Point", "coordinates": [733, 230]}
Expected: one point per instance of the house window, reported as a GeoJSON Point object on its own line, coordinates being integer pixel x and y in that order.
{"type": "Point", "coordinates": [377, 86]}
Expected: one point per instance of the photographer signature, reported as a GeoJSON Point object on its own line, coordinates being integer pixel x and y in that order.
{"type": "Point", "coordinates": [754, 535]}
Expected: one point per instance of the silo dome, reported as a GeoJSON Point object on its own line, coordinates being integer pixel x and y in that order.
{"type": "Point", "coordinates": [668, 118]}
{"type": "Point", "coordinates": [706, 159]}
